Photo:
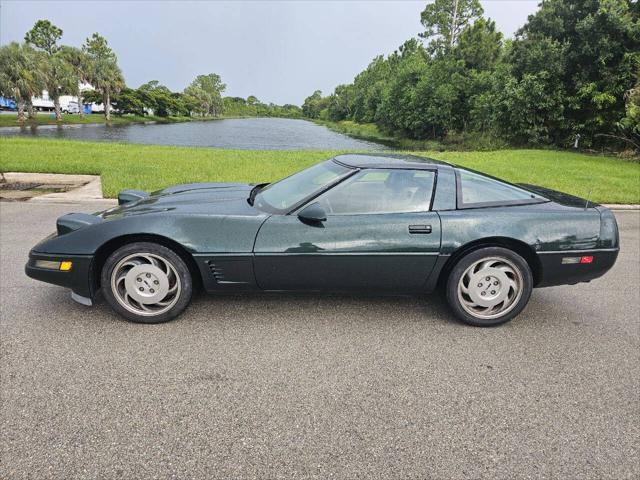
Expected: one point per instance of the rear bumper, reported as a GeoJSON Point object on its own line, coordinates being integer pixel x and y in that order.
{"type": "Point", "coordinates": [554, 272]}
{"type": "Point", "coordinates": [78, 279]}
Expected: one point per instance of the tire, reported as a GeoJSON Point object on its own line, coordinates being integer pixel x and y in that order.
{"type": "Point", "coordinates": [489, 286]}
{"type": "Point", "coordinates": [146, 282]}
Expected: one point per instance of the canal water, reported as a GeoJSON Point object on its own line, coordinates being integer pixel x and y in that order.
{"type": "Point", "coordinates": [244, 134]}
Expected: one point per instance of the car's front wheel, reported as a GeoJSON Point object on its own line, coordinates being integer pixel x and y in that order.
{"type": "Point", "coordinates": [146, 282]}
{"type": "Point", "coordinates": [489, 286]}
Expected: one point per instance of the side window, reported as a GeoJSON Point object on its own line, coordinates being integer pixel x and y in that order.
{"type": "Point", "coordinates": [381, 191]}
{"type": "Point", "coordinates": [478, 189]}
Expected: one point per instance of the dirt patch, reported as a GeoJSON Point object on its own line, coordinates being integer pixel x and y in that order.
{"type": "Point", "coordinates": [18, 186]}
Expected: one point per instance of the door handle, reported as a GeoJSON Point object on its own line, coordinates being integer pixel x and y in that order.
{"type": "Point", "coordinates": [419, 229]}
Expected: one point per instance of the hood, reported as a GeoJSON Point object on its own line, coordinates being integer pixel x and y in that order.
{"type": "Point", "coordinates": [190, 199]}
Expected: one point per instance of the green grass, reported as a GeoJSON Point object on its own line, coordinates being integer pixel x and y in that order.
{"type": "Point", "coordinates": [371, 132]}
{"type": "Point", "coordinates": [453, 142]}
{"type": "Point", "coordinates": [609, 179]}
{"type": "Point", "coordinates": [121, 166]}
{"type": "Point", "coordinates": [148, 167]}
{"type": "Point", "coordinates": [364, 131]}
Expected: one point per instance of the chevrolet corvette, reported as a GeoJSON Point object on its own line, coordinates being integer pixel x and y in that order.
{"type": "Point", "coordinates": [373, 223]}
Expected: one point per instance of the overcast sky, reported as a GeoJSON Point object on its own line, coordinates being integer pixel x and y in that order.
{"type": "Point", "coordinates": [280, 51]}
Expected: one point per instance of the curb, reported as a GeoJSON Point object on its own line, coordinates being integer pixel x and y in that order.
{"type": "Point", "coordinates": [85, 188]}
{"type": "Point", "coordinates": [71, 201]}
{"type": "Point", "coordinates": [621, 206]}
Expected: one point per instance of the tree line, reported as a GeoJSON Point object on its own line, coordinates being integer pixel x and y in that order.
{"type": "Point", "coordinates": [570, 74]}
{"type": "Point", "coordinates": [42, 63]}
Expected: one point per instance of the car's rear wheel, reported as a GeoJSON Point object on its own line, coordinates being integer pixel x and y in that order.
{"type": "Point", "coordinates": [489, 286]}
{"type": "Point", "coordinates": [146, 282]}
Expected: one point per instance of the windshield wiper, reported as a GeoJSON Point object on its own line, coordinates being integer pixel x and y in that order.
{"type": "Point", "coordinates": [254, 191]}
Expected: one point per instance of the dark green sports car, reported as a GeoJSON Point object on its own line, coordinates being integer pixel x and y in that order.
{"type": "Point", "coordinates": [383, 224]}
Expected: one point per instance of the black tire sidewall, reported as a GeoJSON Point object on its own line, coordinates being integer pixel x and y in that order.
{"type": "Point", "coordinates": [459, 269]}
{"type": "Point", "coordinates": [147, 247]}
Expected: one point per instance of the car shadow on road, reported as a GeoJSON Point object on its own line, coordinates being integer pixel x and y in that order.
{"type": "Point", "coordinates": [428, 310]}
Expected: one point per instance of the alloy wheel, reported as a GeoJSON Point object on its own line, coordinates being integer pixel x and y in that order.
{"type": "Point", "coordinates": [490, 288]}
{"type": "Point", "coordinates": [146, 284]}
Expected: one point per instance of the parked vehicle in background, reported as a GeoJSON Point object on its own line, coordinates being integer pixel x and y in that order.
{"type": "Point", "coordinates": [43, 102]}
{"type": "Point", "coordinates": [72, 107]}
{"type": "Point", "coordinates": [386, 224]}
{"type": "Point", "coordinates": [97, 108]}
{"type": "Point", "coordinates": [8, 104]}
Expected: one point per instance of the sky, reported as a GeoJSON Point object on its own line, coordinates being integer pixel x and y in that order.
{"type": "Point", "coordinates": [279, 51]}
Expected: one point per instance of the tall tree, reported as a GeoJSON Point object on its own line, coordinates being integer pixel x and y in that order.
{"type": "Point", "coordinates": [629, 125]}
{"type": "Point", "coordinates": [159, 99]}
{"type": "Point", "coordinates": [479, 45]}
{"type": "Point", "coordinates": [341, 102]}
{"type": "Point", "coordinates": [597, 44]}
{"type": "Point", "coordinates": [104, 74]}
{"type": "Point", "coordinates": [45, 36]}
{"type": "Point", "coordinates": [314, 104]}
{"type": "Point", "coordinates": [20, 75]}
{"type": "Point", "coordinates": [81, 67]}
{"type": "Point", "coordinates": [444, 21]}
{"type": "Point", "coordinates": [59, 75]}
{"type": "Point", "coordinates": [206, 92]}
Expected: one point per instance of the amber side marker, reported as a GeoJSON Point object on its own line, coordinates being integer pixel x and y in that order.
{"type": "Point", "coordinates": [66, 266]}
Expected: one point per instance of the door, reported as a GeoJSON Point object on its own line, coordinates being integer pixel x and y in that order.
{"type": "Point", "coordinates": [378, 236]}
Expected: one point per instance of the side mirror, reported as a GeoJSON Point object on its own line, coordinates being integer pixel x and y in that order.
{"type": "Point", "coordinates": [313, 213]}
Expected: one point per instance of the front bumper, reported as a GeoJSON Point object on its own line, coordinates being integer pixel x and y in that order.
{"type": "Point", "coordinates": [554, 272]}
{"type": "Point", "coordinates": [78, 279]}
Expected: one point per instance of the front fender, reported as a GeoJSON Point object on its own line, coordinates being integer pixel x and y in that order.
{"type": "Point", "coordinates": [196, 233]}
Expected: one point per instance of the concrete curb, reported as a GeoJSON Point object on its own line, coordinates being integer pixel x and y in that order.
{"type": "Point", "coordinates": [621, 206]}
{"type": "Point", "coordinates": [54, 178]}
{"type": "Point", "coordinates": [89, 187]}
{"type": "Point", "coordinates": [89, 192]}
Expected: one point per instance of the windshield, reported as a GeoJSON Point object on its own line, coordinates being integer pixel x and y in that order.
{"type": "Point", "coordinates": [281, 196]}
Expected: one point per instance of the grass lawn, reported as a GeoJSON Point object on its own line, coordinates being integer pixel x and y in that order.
{"type": "Point", "coordinates": [371, 132]}
{"type": "Point", "coordinates": [121, 166]}
{"type": "Point", "coordinates": [364, 131]}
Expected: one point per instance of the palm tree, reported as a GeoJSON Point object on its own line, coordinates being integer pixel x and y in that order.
{"type": "Point", "coordinates": [44, 37]}
{"type": "Point", "coordinates": [20, 77]}
{"type": "Point", "coordinates": [104, 73]}
{"type": "Point", "coordinates": [81, 66]}
{"type": "Point", "coordinates": [60, 79]}
{"type": "Point", "coordinates": [107, 79]}
{"type": "Point", "coordinates": [60, 76]}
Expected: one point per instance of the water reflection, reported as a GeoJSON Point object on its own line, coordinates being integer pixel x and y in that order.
{"type": "Point", "coordinates": [244, 134]}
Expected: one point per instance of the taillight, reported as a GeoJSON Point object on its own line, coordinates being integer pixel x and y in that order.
{"type": "Point", "coordinates": [574, 260]}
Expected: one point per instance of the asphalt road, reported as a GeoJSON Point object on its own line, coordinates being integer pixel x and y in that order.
{"type": "Point", "coordinates": [317, 387]}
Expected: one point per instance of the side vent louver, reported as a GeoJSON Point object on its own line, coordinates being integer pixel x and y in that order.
{"type": "Point", "coordinates": [216, 271]}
